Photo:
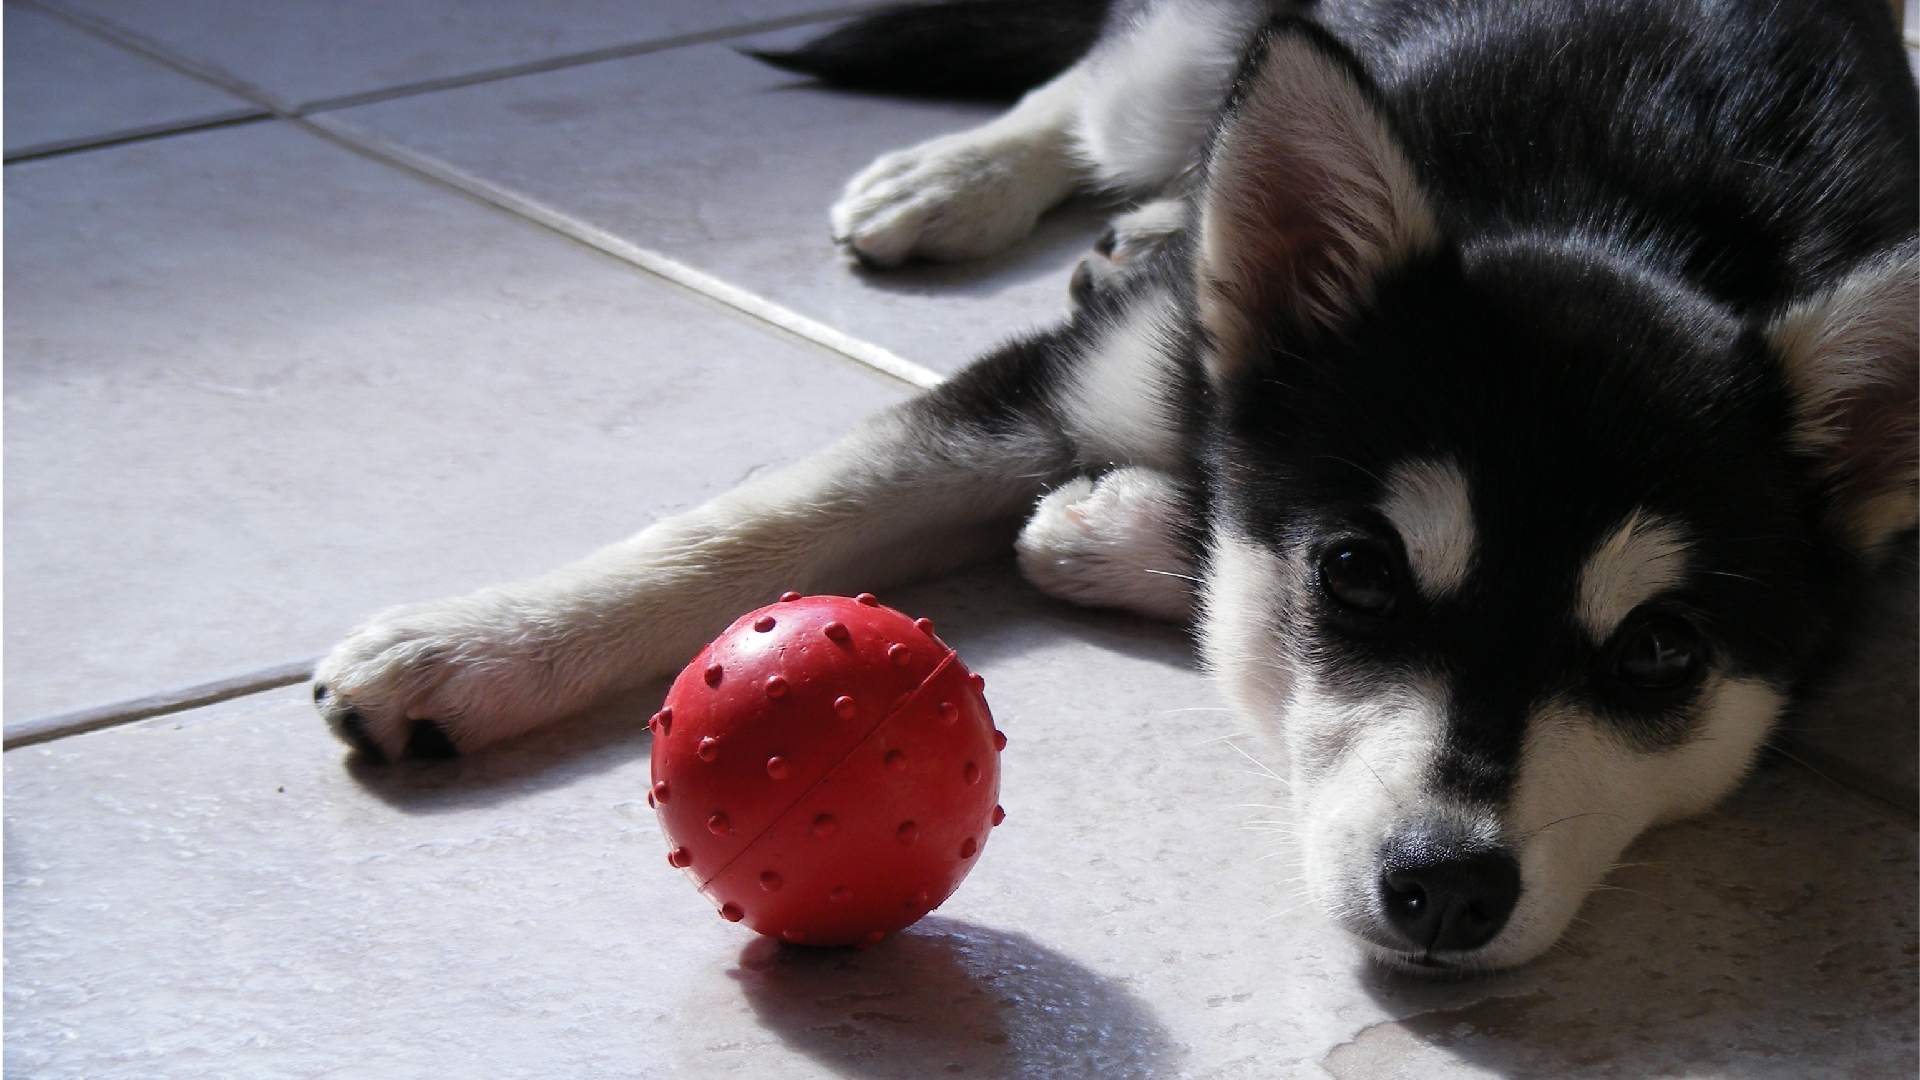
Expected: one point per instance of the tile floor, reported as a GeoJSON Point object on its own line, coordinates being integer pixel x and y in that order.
{"type": "Point", "coordinates": [259, 384]}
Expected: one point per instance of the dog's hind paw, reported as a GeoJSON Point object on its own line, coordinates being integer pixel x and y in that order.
{"type": "Point", "coordinates": [435, 680]}
{"type": "Point", "coordinates": [1111, 543]}
{"type": "Point", "coordinates": [959, 197]}
{"type": "Point", "coordinates": [1129, 240]}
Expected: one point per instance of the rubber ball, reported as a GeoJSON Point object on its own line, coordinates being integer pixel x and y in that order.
{"type": "Point", "coordinates": [826, 771]}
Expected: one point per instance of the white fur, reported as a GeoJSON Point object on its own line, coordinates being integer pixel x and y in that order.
{"type": "Point", "coordinates": [1148, 225]}
{"type": "Point", "coordinates": [1359, 766]}
{"type": "Point", "coordinates": [1428, 504]}
{"type": "Point", "coordinates": [1643, 557]}
{"type": "Point", "coordinates": [1246, 595]}
{"type": "Point", "coordinates": [1153, 90]}
{"type": "Point", "coordinates": [1116, 406]}
{"type": "Point", "coordinates": [1111, 543]}
{"type": "Point", "coordinates": [966, 195]}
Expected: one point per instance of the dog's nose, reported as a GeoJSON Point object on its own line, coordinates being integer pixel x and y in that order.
{"type": "Point", "coordinates": [1440, 897]}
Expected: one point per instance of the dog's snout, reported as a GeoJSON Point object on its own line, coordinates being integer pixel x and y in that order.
{"type": "Point", "coordinates": [1440, 897]}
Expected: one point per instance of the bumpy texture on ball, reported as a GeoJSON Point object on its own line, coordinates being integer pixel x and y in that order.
{"type": "Point", "coordinates": [826, 771]}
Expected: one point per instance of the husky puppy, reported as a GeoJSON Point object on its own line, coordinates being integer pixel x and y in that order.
{"type": "Point", "coordinates": [1513, 394]}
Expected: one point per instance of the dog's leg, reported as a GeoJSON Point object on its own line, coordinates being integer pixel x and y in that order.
{"type": "Point", "coordinates": [1153, 88]}
{"type": "Point", "coordinates": [1128, 119]}
{"type": "Point", "coordinates": [934, 484]}
{"type": "Point", "coordinates": [966, 195]}
{"type": "Point", "coordinates": [1114, 542]}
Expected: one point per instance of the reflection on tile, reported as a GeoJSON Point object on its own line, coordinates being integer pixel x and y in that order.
{"type": "Point", "coordinates": [305, 52]}
{"type": "Point", "coordinates": [730, 166]}
{"type": "Point", "coordinates": [258, 387]}
{"type": "Point", "coordinates": [219, 888]}
{"type": "Point", "coordinates": [64, 87]}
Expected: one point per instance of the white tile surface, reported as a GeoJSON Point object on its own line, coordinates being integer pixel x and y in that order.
{"type": "Point", "coordinates": [63, 86]}
{"type": "Point", "coordinates": [258, 387]}
{"type": "Point", "coordinates": [726, 164]}
{"type": "Point", "coordinates": [313, 49]}
{"type": "Point", "coordinates": [217, 894]}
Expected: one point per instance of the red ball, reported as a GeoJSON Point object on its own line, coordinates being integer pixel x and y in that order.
{"type": "Point", "coordinates": [826, 771]}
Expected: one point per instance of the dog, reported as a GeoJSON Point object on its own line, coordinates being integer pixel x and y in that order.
{"type": "Point", "coordinates": [1514, 396]}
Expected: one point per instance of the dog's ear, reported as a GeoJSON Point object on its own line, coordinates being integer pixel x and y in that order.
{"type": "Point", "coordinates": [1852, 357]}
{"type": "Point", "coordinates": [1309, 196]}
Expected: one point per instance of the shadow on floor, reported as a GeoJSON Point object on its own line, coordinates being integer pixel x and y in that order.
{"type": "Point", "coordinates": [952, 998]}
{"type": "Point", "coordinates": [574, 749]}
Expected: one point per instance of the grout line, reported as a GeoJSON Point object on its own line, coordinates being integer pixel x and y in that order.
{"type": "Point", "coordinates": [61, 148]}
{"type": "Point", "coordinates": [157, 51]}
{"type": "Point", "coordinates": [59, 725]}
{"type": "Point", "coordinates": [750, 304]}
{"type": "Point", "coordinates": [393, 154]}
{"type": "Point", "coordinates": [46, 728]}
{"type": "Point", "coordinates": [591, 56]}
{"type": "Point", "coordinates": [136, 42]}
{"type": "Point", "coordinates": [235, 85]}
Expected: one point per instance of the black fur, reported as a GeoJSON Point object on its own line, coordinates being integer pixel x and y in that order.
{"type": "Point", "coordinates": [1589, 339]}
{"type": "Point", "coordinates": [993, 50]}
{"type": "Point", "coordinates": [1628, 190]}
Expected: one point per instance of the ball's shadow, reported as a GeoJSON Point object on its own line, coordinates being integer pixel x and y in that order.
{"type": "Point", "coordinates": [951, 998]}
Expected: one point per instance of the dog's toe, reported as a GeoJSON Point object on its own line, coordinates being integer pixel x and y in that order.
{"type": "Point", "coordinates": [429, 740]}
{"type": "Point", "coordinates": [351, 727]}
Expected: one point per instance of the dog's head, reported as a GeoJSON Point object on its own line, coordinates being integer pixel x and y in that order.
{"type": "Point", "coordinates": [1521, 541]}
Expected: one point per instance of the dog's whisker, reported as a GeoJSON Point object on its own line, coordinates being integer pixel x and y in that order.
{"type": "Point", "coordinates": [1570, 817]}
{"type": "Point", "coordinates": [1383, 784]}
{"type": "Point", "coordinates": [1264, 770]}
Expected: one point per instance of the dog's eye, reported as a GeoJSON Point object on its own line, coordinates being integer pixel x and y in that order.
{"type": "Point", "coordinates": [1358, 576]}
{"type": "Point", "coordinates": [1660, 655]}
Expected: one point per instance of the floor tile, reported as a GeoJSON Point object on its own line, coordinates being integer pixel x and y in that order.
{"type": "Point", "coordinates": [726, 164]}
{"type": "Point", "coordinates": [219, 893]}
{"type": "Point", "coordinates": [64, 86]}
{"type": "Point", "coordinates": [298, 53]}
{"type": "Point", "coordinates": [258, 387]}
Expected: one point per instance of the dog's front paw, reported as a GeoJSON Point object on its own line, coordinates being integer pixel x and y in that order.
{"type": "Point", "coordinates": [959, 197]}
{"type": "Point", "coordinates": [1111, 543]}
{"type": "Point", "coordinates": [434, 680]}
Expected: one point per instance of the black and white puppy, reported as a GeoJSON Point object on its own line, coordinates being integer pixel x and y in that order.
{"type": "Point", "coordinates": [1512, 393]}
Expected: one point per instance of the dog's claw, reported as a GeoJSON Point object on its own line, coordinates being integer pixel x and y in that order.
{"type": "Point", "coordinates": [429, 740]}
{"type": "Point", "coordinates": [352, 728]}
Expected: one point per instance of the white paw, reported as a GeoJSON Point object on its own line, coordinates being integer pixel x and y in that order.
{"type": "Point", "coordinates": [1113, 543]}
{"type": "Point", "coordinates": [435, 680]}
{"type": "Point", "coordinates": [959, 197]}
